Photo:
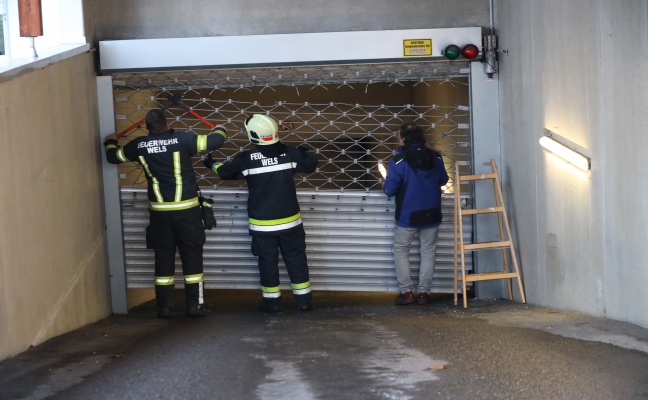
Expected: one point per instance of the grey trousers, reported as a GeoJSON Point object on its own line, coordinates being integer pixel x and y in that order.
{"type": "Point", "coordinates": [403, 238]}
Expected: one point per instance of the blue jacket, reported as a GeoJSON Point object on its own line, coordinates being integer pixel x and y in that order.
{"type": "Point", "coordinates": [415, 177]}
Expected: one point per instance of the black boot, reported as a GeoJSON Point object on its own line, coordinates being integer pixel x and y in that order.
{"type": "Point", "coordinates": [164, 300]}
{"type": "Point", "coordinates": [196, 310]}
{"type": "Point", "coordinates": [270, 305]}
{"type": "Point", "coordinates": [304, 301]}
{"type": "Point", "coordinates": [193, 294]}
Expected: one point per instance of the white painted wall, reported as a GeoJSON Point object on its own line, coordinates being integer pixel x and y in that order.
{"type": "Point", "coordinates": [53, 255]}
{"type": "Point", "coordinates": [579, 68]}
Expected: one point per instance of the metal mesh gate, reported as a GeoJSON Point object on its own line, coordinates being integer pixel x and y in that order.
{"type": "Point", "coordinates": [349, 115]}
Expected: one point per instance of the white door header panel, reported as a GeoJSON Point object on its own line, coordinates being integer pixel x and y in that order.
{"type": "Point", "coordinates": [283, 49]}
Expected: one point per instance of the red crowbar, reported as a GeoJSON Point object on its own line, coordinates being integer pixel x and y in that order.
{"type": "Point", "coordinates": [195, 114]}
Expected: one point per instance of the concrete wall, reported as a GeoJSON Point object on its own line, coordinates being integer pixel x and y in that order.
{"type": "Point", "coordinates": [148, 19]}
{"type": "Point", "coordinates": [579, 68]}
{"type": "Point", "coordinates": [53, 271]}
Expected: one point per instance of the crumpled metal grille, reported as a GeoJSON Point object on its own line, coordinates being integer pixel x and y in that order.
{"type": "Point", "coordinates": [350, 138]}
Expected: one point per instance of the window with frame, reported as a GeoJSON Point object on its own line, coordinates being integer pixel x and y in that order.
{"type": "Point", "coordinates": [3, 28]}
{"type": "Point", "coordinates": [62, 27]}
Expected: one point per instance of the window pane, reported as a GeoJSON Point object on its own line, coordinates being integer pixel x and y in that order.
{"type": "Point", "coordinates": [2, 41]}
{"type": "Point", "coordinates": [4, 28]}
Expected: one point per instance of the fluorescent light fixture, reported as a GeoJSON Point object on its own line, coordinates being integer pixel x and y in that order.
{"type": "Point", "coordinates": [566, 153]}
{"type": "Point", "coordinates": [382, 169]}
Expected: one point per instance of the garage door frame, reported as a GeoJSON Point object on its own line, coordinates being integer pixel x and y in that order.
{"type": "Point", "coordinates": [485, 128]}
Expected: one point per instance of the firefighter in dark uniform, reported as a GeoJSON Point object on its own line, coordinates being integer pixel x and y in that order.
{"type": "Point", "coordinates": [175, 214]}
{"type": "Point", "coordinates": [274, 215]}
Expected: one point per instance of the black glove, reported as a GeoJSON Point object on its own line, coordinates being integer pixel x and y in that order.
{"type": "Point", "coordinates": [209, 221]}
{"type": "Point", "coordinates": [303, 150]}
{"type": "Point", "coordinates": [209, 161]}
{"type": "Point", "coordinates": [110, 141]}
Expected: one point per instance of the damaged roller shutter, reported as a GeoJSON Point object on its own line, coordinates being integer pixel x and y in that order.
{"type": "Point", "coordinates": [349, 115]}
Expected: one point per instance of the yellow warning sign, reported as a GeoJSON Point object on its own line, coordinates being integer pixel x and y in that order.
{"type": "Point", "coordinates": [417, 47]}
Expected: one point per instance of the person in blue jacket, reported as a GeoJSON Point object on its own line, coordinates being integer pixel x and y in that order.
{"type": "Point", "coordinates": [415, 176]}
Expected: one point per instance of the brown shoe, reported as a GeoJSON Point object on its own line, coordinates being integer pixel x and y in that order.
{"type": "Point", "coordinates": [405, 299]}
{"type": "Point", "coordinates": [423, 299]}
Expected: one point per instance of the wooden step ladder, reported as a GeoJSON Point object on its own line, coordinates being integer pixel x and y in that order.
{"type": "Point", "coordinates": [460, 247]}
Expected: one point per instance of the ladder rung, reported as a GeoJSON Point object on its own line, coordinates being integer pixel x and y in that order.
{"type": "Point", "coordinates": [485, 245]}
{"type": "Point", "coordinates": [472, 211]}
{"type": "Point", "coordinates": [464, 178]}
{"type": "Point", "coordinates": [488, 276]}
{"type": "Point", "coordinates": [460, 247]}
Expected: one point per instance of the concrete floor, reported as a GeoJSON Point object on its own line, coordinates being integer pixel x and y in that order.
{"type": "Point", "coordinates": [352, 346]}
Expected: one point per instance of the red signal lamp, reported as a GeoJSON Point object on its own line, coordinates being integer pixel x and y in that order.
{"type": "Point", "coordinates": [470, 51]}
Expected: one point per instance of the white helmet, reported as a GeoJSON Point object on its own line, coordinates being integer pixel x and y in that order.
{"type": "Point", "coordinates": [262, 129]}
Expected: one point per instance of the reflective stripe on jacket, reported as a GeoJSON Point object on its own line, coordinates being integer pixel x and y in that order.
{"type": "Point", "coordinates": [166, 160]}
{"type": "Point", "coordinates": [269, 170]}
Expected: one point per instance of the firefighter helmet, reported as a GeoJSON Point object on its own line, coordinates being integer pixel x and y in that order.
{"type": "Point", "coordinates": [262, 129]}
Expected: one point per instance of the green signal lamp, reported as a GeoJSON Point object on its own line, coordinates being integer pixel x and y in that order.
{"type": "Point", "coordinates": [451, 52]}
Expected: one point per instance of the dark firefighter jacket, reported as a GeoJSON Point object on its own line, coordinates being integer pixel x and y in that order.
{"type": "Point", "coordinates": [269, 170]}
{"type": "Point", "coordinates": [166, 159]}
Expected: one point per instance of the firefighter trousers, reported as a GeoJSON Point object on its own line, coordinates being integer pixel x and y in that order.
{"type": "Point", "coordinates": [182, 230]}
{"type": "Point", "coordinates": [292, 244]}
